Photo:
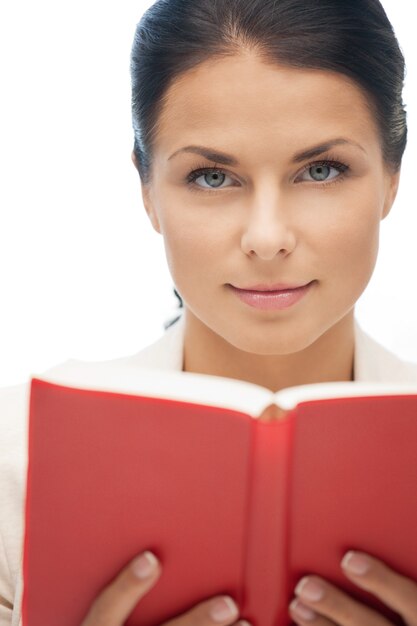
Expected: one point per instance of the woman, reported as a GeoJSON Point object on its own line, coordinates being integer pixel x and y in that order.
{"type": "Point", "coordinates": [269, 136]}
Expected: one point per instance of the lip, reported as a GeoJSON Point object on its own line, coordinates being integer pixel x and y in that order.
{"type": "Point", "coordinates": [276, 287]}
{"type": "Point", "coordinates": [272, 300]}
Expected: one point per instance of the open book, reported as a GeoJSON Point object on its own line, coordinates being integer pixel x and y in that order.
{"type": "Point", "coordinates": [232, 497]}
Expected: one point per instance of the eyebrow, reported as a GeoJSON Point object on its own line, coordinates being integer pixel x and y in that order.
{"type": "Point", "coordinates": [227, 159]}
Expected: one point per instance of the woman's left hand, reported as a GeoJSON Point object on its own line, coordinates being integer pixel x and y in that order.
{"type": "Point", "coordinates": [323, 604]}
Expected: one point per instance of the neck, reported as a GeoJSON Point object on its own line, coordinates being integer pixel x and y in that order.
{"type": "Point", "coordinates": [329, 358]}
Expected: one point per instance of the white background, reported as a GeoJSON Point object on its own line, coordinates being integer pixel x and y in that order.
{"type": "Point", "coordinates": [83, 274]}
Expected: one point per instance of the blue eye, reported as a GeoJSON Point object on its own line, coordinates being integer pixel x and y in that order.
{"type": "Point", "coordinates": [319, 171]}
{"type": "Point", "coordinates": [211, 176]}
{"type": "Point", "coordinates": [322, 170]}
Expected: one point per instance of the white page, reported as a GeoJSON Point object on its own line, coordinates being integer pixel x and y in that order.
{"type": "Point", "coordinates": [203, 389]}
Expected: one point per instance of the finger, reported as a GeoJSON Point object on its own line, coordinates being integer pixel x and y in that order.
{"type": "Point", "coordinates": [330, 602]}
{"type": "Point", "coordinates": [302, 614]}
{"type": "Point", "coordinates": [117, 601]}
{"type": "Point", "coordinates": [396, 591]}
{"type": "Point", "coordinates": [219, 610]}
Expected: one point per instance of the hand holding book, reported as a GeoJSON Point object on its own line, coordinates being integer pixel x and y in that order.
{"type": "Point", "coordinates": [114, 605]}
{"type": "Point", "coordinates": [315, 597]}
{"type": "Point", "coordinates": [318, 599]}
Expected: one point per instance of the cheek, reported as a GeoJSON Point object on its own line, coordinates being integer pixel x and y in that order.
{"type": "Point", "coordinates": [350, 251]}
{"type": "Point", "coordinates": [193, 248]}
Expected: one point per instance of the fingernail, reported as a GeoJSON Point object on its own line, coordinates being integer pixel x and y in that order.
{"type": "Point", "coordinates": [144, 565]}
{"type": "Point", "coordinates": [309, 590]}
{"type": "Point", "coordinates": [223, 609]}
{"type": "Point", "coordinates": [355, 563]}
{"type": "Point", "coordinates": [301, 611]}
{"type": "Point", "coordinates": [243, 622]}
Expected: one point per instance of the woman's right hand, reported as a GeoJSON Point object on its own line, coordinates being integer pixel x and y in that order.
{"type": "Point", "coordinates": [114, 605]}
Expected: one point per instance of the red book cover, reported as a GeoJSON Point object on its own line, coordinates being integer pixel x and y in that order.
{"type": "Point", "coordinates": [229, 502]}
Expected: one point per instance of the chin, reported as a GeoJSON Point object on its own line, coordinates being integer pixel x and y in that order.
{"type": "Point", "coordinates": [273, 342]}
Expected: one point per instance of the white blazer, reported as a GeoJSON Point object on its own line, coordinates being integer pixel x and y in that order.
{"type": "Point", "coordinates": [372, 362]}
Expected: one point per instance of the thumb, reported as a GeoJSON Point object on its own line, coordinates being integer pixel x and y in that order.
{"type": "Point", "coordinates": [114, 605]}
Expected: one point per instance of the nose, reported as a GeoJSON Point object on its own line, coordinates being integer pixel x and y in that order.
{"type": "Point", "coordinates": [268, 230]}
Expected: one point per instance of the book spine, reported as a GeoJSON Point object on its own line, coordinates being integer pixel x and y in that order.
{"type": "Point", "coordinates": [266, 594]}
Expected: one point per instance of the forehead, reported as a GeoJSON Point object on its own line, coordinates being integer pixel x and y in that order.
{"type": "Point", "coordinates": [244, 96]}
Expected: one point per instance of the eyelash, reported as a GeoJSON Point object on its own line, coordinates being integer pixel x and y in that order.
{"type": "Point", "coordinates": [333, 162]}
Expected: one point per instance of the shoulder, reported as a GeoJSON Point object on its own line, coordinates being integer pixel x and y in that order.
{"type": "Point", "coordinates": [13, 466]}
{"type": "Point", "coordinates": [375, 362]}
{"type": "Point", "coordinates": [166, 352]}
{"type": "Point", "coordinates": [14, 403]}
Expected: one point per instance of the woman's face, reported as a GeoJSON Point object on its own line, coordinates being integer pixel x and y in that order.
{"type": "Point", "coordinates": [268, 217]}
